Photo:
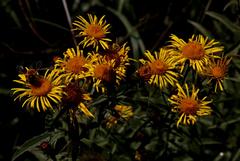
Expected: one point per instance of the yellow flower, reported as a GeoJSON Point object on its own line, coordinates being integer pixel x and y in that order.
{"type": "Point", "coordinates": [76, 97]}
{"type": "Point", "coordinates": [216, 71]}
{"type": "Point", "coordinates": [118, 54]}
{"type": "Point", "coordinates": [39, 91]}
{"type": "Point", "coordinates": [124, 111]}
{"type": "Point", "coordinates": [73, 65]}
{"type": "Point", "coordinates": [198, 50]}
{"type": "Point", "coordinates": [94, 32]}
{"type": "Point", "coordinates": [111, 121]}
{"type": "Point", "coordinates": [138, 156]}
{"type": "Point", "coordinates": [104, 73]}
{"type": "Point", "coordinates": [188, 105]}
{"type": "Point", "coordinates": [158, 69]}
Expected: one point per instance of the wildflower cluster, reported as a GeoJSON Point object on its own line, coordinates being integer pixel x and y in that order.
{"type": "Point", "coordinates": [97, 62]}
{"type": "Point", "coordinates": [98, 67]}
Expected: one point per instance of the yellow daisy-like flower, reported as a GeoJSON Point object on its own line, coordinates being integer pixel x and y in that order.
{"type": "Point", "coordinates": [94, 31]}
{"type": "Point", "coordinates": [216, 71]}
{"type": "Point", "coordinates": [104, 73]}
{"type": "Point", "coordinates": [76, 97]}
{"type": "Point", "coordinates": [39, 91]}
{"type": "Point", "coordinates": [118, 54]}
{"type": "Point", "coordinates": [159, 68]}
{"type": "Point", "coordinates": [124, 111]}
{"type": "Point", "coordinates": [188, 105]}
{"type": "Point", "coordinates": [73, 65]}
{"type": "Point", "coordinates": [198, 50]}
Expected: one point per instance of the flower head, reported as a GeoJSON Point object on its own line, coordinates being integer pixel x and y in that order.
{"type": "Point", "coordinates": [124, 111]}
{"type": "Point", "coordinates": [119, 55]}
{"type": "Point", "coordinates": [158, 69]}
{"type": "Point", "coordinates": [198, 50]}
{"type": "Point", "coordinates": [104, 73]}
{"type": "Point", "coordinates": [111, 121]}
{"type": "Point", "coordinates": [217, 71]}
{"type": "Point", "coordinates": [94, 31]}
{"type": "Point", "coordinates": [39, 91]}
{"type": "Point", "coordinates": [188, 105]}
{"type": "Point", "coordinates": [76, 97]}
{"type": "Point", "coordinates": [73, 65]}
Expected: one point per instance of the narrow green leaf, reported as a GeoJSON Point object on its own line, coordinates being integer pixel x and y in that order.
{"type": "Point", "coordinates": [135, 37]}
{"type": "Point", "coordinates": [234, 50]}
{"type": "Point", "coordinates": [50, 24]}
{"type": "Point", "coordinates": [224, 20]}
{"type": "Point", "coordinates": [210, 142]}
{"type": "Point", "coordinates": [233, 79]}
{"type": "Point", "coordinates": [236, 156]}
{"type": "Point", "coordinates": [30, 144]}
{"type": "Point", "coordinates": [39, 154]}
{"type": "Point", "coordinates": [200, 28]}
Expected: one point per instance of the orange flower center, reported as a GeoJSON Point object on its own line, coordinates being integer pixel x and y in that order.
{"type": "Point", "coordinates": [189, 106]}
{"type": "Point", "coordinates": [104, 72]}
{"type": "Point", "coordinates": [95, 31]}
{"type": "Point", "coordinates": [144, 72]}
{"type": "Point", "coordinates": [193, 50]}
{"type": "Point", "coordinates": [158, 67]}
{"type": "Point", "coordinates": [75, 65]}
{"type": "Point", "coordinates": [74, 94]}
{"type": "Point", "coordinates": [218, 72]}
{"type": "Point", "coordinates": [43, 88]}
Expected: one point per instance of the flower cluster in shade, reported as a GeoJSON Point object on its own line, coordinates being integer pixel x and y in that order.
{"type": "Point", "coordinates": [166, 67]}
{"type": "Point", "coordinates": [99, 64]}
{"type": "Point", "coordinates": [75, 71]}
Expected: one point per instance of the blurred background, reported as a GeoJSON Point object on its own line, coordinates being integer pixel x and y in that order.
{"type": "Point", "coordinates": [33, 32]}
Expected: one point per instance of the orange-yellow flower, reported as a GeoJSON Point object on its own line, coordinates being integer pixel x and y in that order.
{"type": "Point", "coordinates": [216, 70]}
{"type": "Point", "coordinates": [188, 105]}
{"type": "Point", "coordinates": [198, 51]}
{"type": "Point", "coordinates": [104, 73]}
{"type": "Point", "coordinates": [158, 69]}
{"type": "Point", "coordinates": [73, 65]}
{"type": "Point", "coordinates": [124, 111]}
{"type": "Point", "coordinates": [75, 98]}
{"type": "Point", "coordinates": [39, 91]}
{"type": "Point", "coordinates": [118, 54]}
{"type": "Point", "coordinates": [94, 31]}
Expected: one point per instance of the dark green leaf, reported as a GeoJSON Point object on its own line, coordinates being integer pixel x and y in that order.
{"type": "Point", "coordinates": [30, 144]}
{"type": "Point", "coordinates": [224, 20]}
{"type": "Point", "coordinates": [200, 28]}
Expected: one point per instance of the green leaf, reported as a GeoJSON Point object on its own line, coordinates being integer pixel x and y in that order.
{"type": "Point", "coordinates": [30, 144]}
{"type": "Point", "coordinates": [224, 20]}
{"type": "Point", "coordinates": [135, 37]}
{"type": "Point", "coordinates": [200, 28]}
{"type": "Point", "coordinates": [50, 24]}
{"type": "Point", "coordinates": [99, 100]}
{"type": "Point", "coordinates": [229, 122]}
{"type": "Point", "coordinates": [234, 50]}
{"type": "Point", "coordinates": [39, 154]}
{"type": "Point", "coordinates": [208, 141]}
{"type": "Point", "coordinates": [236, 156]}
{"type": "Point", "coordinates": [233, 79]}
